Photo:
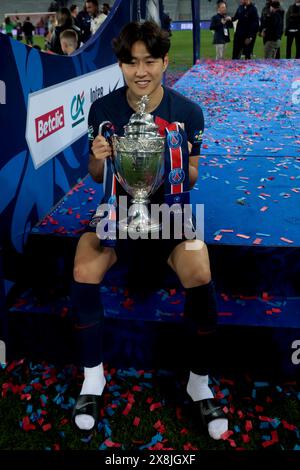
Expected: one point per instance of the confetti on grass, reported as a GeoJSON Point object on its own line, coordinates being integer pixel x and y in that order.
{"type": "Point", "coordinates": [256, 421]}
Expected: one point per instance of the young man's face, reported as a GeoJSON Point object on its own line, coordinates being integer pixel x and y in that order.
{"type": "Point", "coordinates": [91, 8]}
{"type": "Point", "coordinates": [144, 74]}
{"type": "Point", "coordinates": [222, 8]}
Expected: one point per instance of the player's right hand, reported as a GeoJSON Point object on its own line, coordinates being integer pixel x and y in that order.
{"type": "Point", "coordinates": [101, 149]}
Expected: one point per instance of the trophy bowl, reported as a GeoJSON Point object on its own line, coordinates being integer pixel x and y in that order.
{"type": "Point", "coordinates": [138, 162]}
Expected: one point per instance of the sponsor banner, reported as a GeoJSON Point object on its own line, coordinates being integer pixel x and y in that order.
{"type": "Point", "coordinates": [57, 116]}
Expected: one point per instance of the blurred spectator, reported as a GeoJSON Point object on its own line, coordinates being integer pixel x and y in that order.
{"type": "Point", "coordinates": [19, 29]}
{"type": "Point", "coordinates": [272, 30]}
{"type": "Point", "coordinates": [220, 24]}
{"type": "Point", "coordinates": [28, 30]}
{"type": "Point", "coordinates": [84, 22]}
{"type": "Point", "coordinates": [74, 12]}
{"type": "Point", "coordinates": [97, 18]}
{"type": "Point", "coordinates": [106, 8]}
{"type": "Point", "coordinates": [68, 41]}
{"type": "Point", "coordinates": [64, 21]}
{"type": "Point", "coordinates": [292, 29]}
{"type": "Point", "coordinates": [246, 29]}
{"type": "Point", "coordinates": [54, 6]}
{"type": "Point", "coordinates": [49, 30]}
{"type": "Point", "coordinates": [40, 26]}
{"type": "Point", "coordinates": [166, 22]}
{"type": "Point", "coordinates": [281, 12]}
{"type": "Point", "coordinates": [264, 14]}
{"type": "Point", "coordinates": [9, 26]}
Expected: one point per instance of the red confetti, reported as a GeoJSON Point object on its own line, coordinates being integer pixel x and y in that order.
{"type": "Point", "coordinates": [136, 421]}
{"type": "Point", "coordinates": [127, 409]}
{"type": "Point", "coordinates": [110, 443]}
{"type": "Point", "coordinates": [248, 425]}
{"type": "Point", "coordinates": [46, 427]}
{"type": "Point", "coordinates": [154, 406]}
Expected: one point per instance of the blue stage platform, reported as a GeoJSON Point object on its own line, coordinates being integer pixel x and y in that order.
{"type": "Point", "coordinates": [250, 187]}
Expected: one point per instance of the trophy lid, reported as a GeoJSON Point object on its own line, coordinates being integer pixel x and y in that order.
{"type": "Point", "coordinates": [141, 123]}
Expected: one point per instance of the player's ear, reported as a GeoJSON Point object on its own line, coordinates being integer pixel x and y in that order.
{"type": "Point", "coordinates": [165, 62]}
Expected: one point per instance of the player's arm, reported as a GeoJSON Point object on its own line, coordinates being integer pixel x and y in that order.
{"type": "Point", "coordinates": [194, 132]}
{"type": "Point", "coordinates": [193, 169]}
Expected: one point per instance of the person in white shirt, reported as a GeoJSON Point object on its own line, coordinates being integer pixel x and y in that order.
{"type": "Point", "coordinates": [97, 18]}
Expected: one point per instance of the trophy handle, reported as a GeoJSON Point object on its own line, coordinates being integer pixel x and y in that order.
{"type": "Point", "coordinates": [106, 129]}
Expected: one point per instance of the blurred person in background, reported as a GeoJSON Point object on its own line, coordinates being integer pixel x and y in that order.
{"type": "Point", "coordinates": [9, 26]}
{"type": "Point", "coordinates": [74, 13]}
{"type": "Point", "coordinates": [97, 18]}
{"type": "Point", "coordinates": [28, 30]}
{"type": "Point", "coordinates": [246, 29]}
{"type": "Point", "coordinates": [292, 29]}
{"type": "Point", "coordinates": [64, 21]}
{"type": "Point", "coordinates": [84, 23]}
{"type": "Point", "coordinates": [68, 41]}
{"type": "Point", "coordinates": [272, 30]}
{"type": "Point", "coordinates": [19, 29]}
{"type": "Point", "coordinates": [106, 8]}
{"type": "Point", "coordinates": [220, 24]}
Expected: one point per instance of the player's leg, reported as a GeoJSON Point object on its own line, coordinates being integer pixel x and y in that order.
{"type": "Point", "coordinates": [91, 263]}
{"type": "Point", "coordinates": [190, 261]}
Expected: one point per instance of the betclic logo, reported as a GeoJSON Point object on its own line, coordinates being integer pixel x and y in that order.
{"type": "Point", "coordinates": [49, 123]}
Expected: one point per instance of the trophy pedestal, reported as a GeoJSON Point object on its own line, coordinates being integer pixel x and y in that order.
{"type": "Point", "coordinates": [139, 221]}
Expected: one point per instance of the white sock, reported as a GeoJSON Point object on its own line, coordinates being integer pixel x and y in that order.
{"type": "Point", "coordinates": [198, 389]}
{"type": "Point", "coordinates": [94, 382]}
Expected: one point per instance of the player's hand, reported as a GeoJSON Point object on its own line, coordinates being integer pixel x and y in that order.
{"type": "Point", "coordinates": [247, 41]}
{"type": "Point", "coordinates": [101, 149]}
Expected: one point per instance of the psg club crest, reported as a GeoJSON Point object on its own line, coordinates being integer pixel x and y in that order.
{"type": "Point", "coordinates": [176, 176]}
{"type": "Point", "coordinates": [174, 139]}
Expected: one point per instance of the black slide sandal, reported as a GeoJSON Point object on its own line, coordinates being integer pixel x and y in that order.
{"type": "Point", "coordinates": [87, 405]}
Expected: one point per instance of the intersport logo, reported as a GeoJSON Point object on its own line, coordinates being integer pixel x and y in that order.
{"type": "Point", "coordinates": [49, 123]}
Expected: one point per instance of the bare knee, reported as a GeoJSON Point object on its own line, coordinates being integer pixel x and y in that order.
{"type": "Point", "coordinates": [93, 272]}
{"type": "Point", "coordinates": [196, 277]}
{"type": "Point", "coordinates": [82, 273]}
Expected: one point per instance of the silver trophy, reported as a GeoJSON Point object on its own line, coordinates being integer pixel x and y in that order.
{"type": "Point", "coordinates": [138, 162]}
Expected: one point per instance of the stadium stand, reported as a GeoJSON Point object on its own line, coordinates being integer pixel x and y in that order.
{"type": "Point", "coordinates": [178, 10]}
{"type": "Point", "coordinates": [23, 6]}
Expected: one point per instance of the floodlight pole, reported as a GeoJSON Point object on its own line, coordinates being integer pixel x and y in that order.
{"type": "Point", "coordinates": [196, 30]}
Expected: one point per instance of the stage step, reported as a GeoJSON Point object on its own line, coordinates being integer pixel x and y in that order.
{"type": "Point", "coordinates": [254, 334]}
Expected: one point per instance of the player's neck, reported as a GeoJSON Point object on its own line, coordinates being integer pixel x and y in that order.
{"type": "Point", "coordinates": [154, 99]}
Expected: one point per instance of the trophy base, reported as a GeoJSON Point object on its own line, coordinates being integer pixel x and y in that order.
{"type": "Point", "coordinates": [139, 221]}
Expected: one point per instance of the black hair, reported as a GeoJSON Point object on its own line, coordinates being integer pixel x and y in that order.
{"type": "Point", "coordinates": [275, 4]}
{"type": "Point", "coordinates": [94, 2]}
{"type": "Point", "coordinates": [156, 40]}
